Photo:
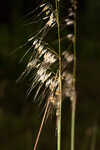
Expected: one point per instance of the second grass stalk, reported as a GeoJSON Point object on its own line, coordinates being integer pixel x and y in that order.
{"type": "Point", "coordinates": [73, 102]}
{"type": "Point", "coordinates": [60, 81]}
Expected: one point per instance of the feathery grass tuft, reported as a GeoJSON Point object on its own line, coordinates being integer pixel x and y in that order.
{"type": "Point", "coordinates": [51, 76]}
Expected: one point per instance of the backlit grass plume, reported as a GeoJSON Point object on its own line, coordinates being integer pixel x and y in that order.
{"type": "Point", "coordinates": [51, 76]}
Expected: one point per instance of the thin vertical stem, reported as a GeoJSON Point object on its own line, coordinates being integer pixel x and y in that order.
{"type": "Point", "coordinates": [74, 83]}
{"type": "Point", "coordinates": [93, 142]}
{"type": "Point", "coordinates": [41, 126]}
{"type": "Point", "coordinates": [73, 126]}
{"type": "Point", "coordinates": [60, 82]}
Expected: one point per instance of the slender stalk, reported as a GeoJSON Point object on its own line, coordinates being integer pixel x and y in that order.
{"type": "Point", "coordinates": [41, 126]}
{"type": "Point", "coordinates": [93, 142]}
{"type": "Point", "coordinates": [60, 81]}
{"type": "Point", "coordinates": [73, 126]}
{"type": "Point", "coordinates": [74, 83]}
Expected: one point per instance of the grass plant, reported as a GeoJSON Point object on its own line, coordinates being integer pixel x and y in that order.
{"type": "Point", "coordinates": [73, 100]}
{"type": "Point", "coordinates": [48, 67]}
{"type": "Point", "coordinates": [60, 81]}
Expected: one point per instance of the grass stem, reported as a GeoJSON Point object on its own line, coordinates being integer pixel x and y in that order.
{"type": "Point", "coordinates": [93, 142]}
{"type": "Point", "coordinates": [73, 126]}
{"type": "Point", "coordinates": [74, 82]}
{"type": "Point", "coordinates": [41, 126]}
{"type": "Point", "coordinates": [60, 81]}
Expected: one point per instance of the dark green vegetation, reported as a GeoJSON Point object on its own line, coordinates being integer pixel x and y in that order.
{"type": "Point", "coordinates": [19, 117]}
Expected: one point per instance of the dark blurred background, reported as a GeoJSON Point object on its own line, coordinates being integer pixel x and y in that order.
{"type": "Point", "coordinates": [19, 117]}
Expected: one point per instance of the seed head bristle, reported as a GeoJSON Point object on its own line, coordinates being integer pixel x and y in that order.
{"type": "Point", "coordinates": [42, 5]}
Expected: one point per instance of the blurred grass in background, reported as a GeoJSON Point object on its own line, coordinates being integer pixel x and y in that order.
{"type": "Point", "coordinates": [19, 117]}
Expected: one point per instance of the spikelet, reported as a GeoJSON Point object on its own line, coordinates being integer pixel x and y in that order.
{"type": "Point", "coordinates": [70, 17]}
{"type": "Point", "coordinates": [44, 75]}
